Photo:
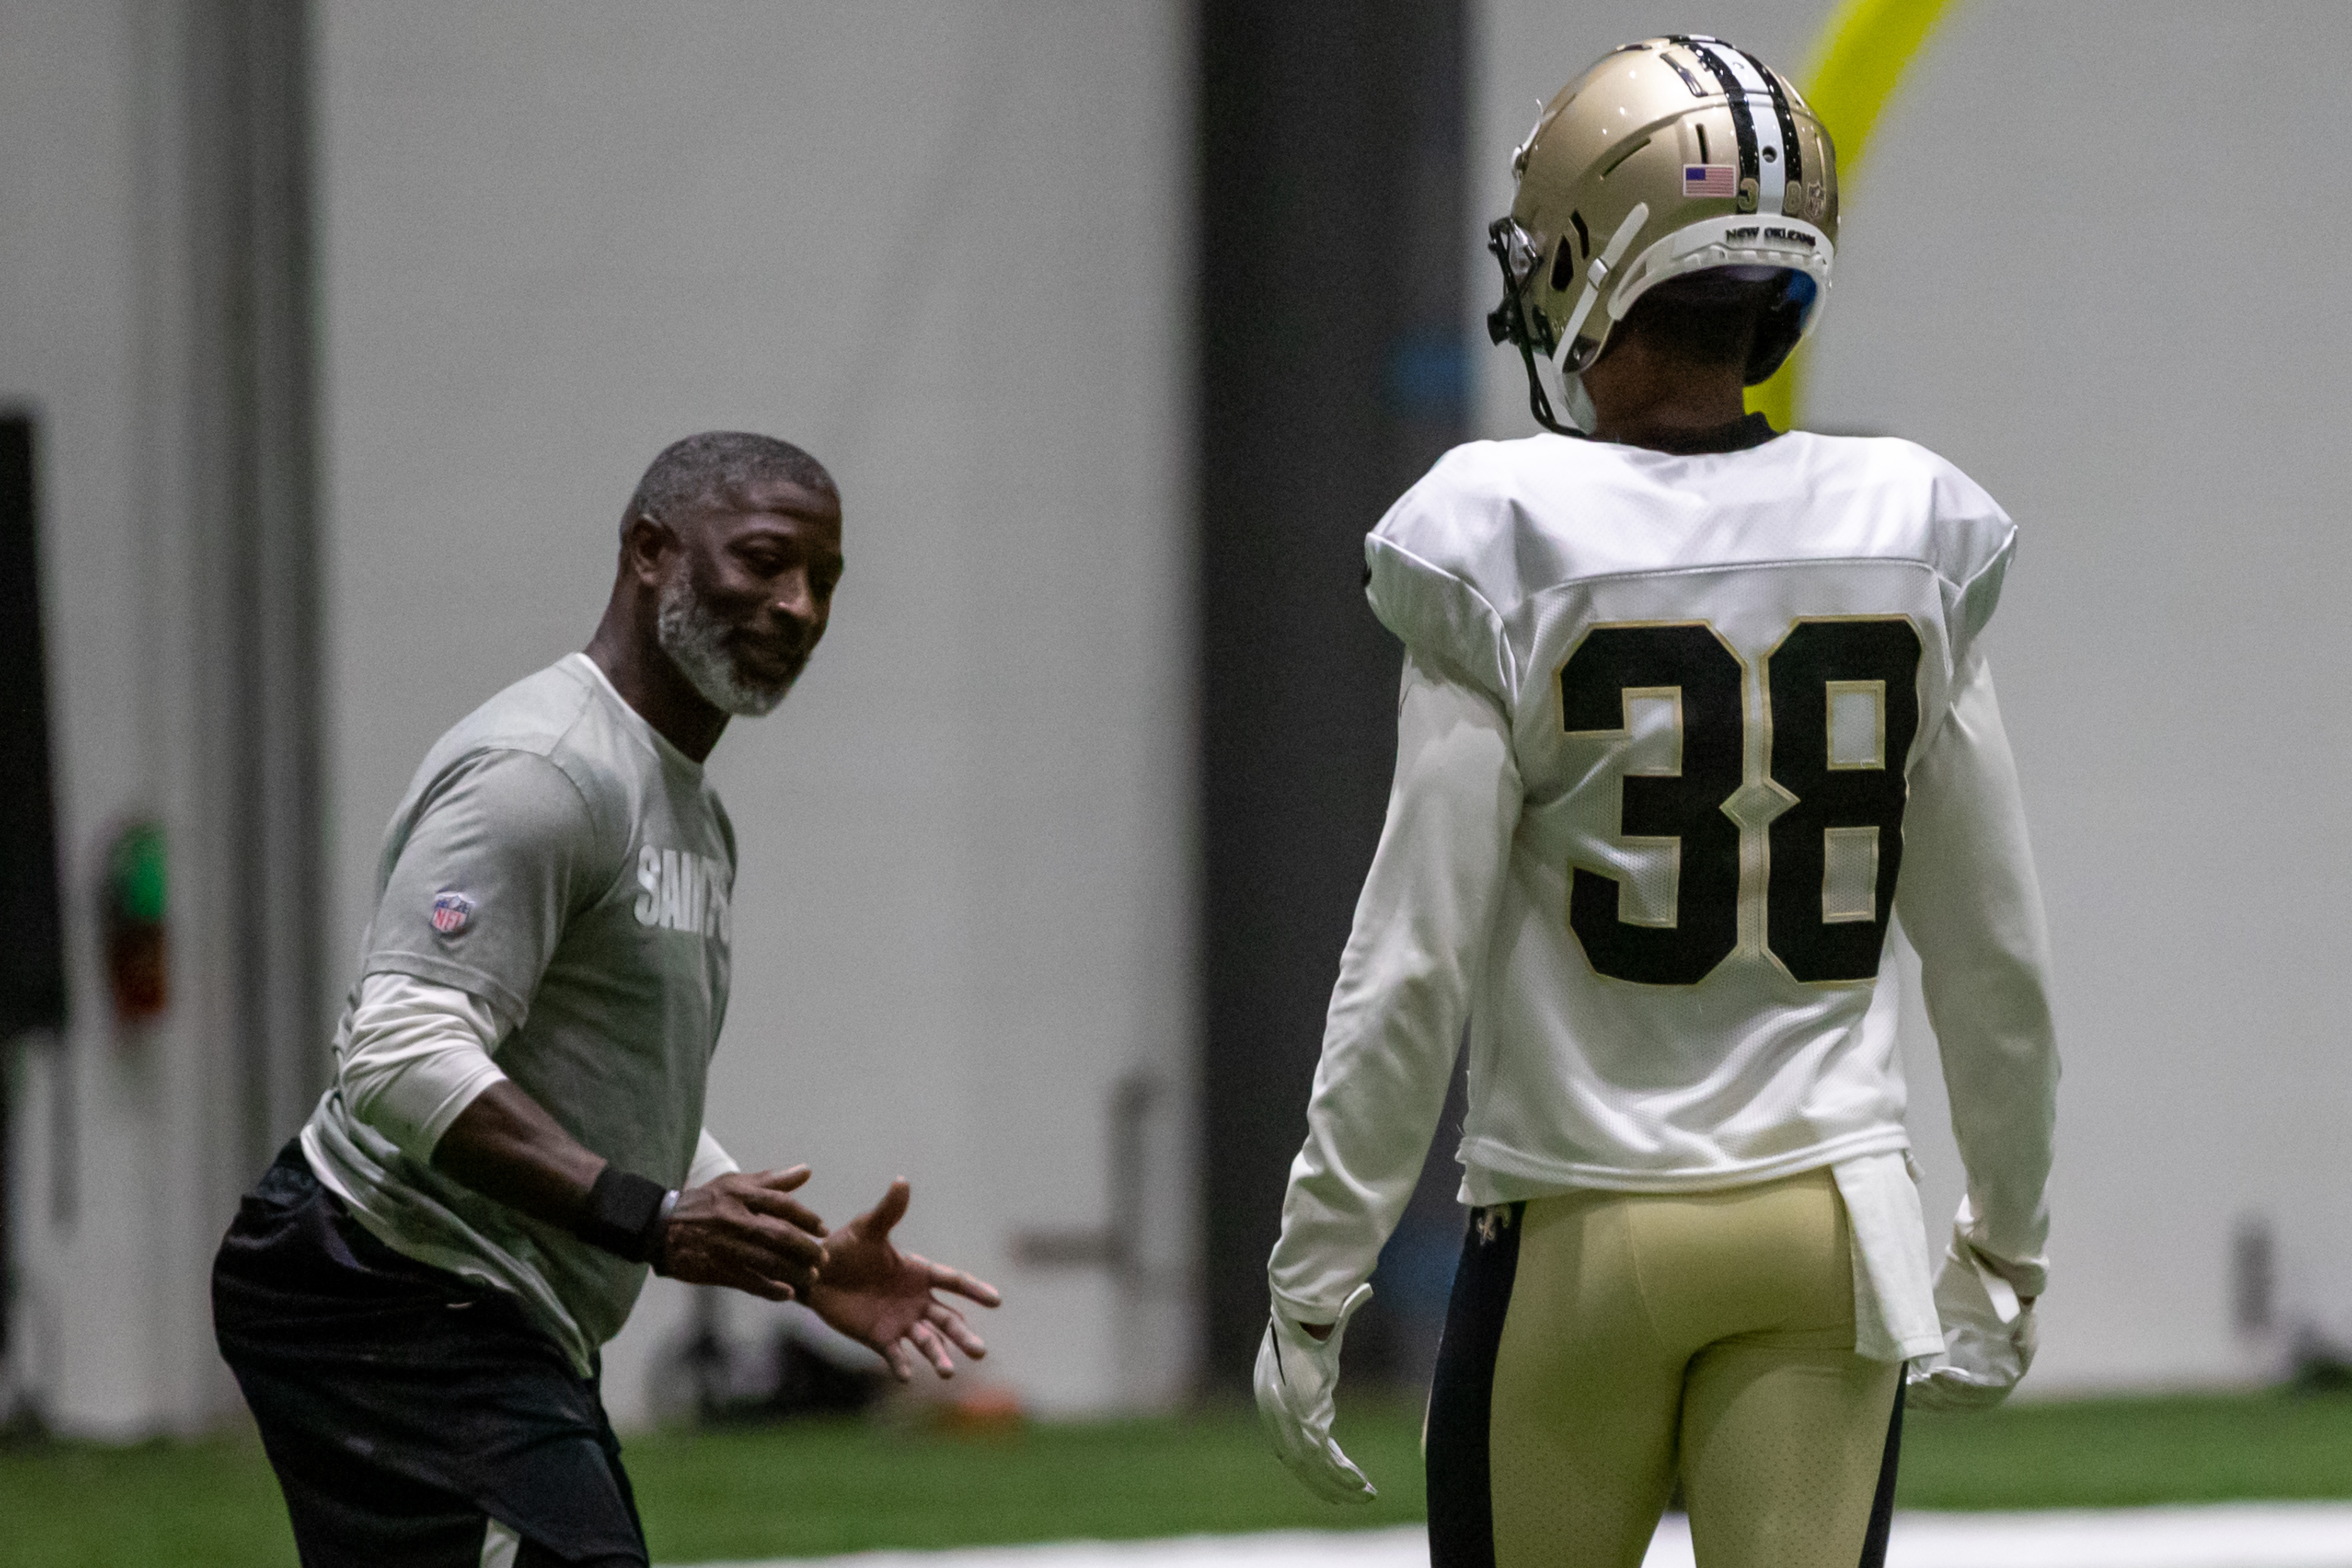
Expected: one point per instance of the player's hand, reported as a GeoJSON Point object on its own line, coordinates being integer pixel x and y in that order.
{"type": "Point", "coordinates": [1297, 1376]}
{"type": "Point", "coordinates": [1988, 1336]}
{"type": "Point", "coordinates": [882, 1297]}
{"type": "Point", "coordinates": [744, 1232]}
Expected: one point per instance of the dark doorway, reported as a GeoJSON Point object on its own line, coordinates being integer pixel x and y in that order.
{"type": "Point", "coordinates": [32, 925]}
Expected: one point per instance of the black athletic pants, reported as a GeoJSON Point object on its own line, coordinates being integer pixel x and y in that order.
{"type": "Point", "coordinates": [404, 1408]}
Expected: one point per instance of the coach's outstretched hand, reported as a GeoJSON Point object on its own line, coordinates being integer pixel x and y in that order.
{"type": "Point", "coordinates": [742, 1231]}
{"type": "Point", "coordinates": [882, 1298]}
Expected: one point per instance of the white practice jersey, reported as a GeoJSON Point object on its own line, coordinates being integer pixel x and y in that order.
{"type": "Point", "coordinates": [1679, 737]}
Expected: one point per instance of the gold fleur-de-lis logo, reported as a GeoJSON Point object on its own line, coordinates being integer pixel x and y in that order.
{"type": "Point", "coordinates": [1492, 1223]}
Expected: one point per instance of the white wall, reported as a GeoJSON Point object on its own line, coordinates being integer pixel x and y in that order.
{"type": "Point", "coordinates": [127, 1142]}
{"type": "Point", "coordinates": [945, 249]}
{"type": "Point", "coordinates": [68, 348]}
{"type": "Point", "coordinates": [2087, 260]}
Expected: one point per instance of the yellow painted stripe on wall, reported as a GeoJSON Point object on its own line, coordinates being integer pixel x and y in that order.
{"type": "Point", "coordinates": [1856, 63]}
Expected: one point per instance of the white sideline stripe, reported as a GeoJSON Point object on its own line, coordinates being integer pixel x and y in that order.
{"type": "Point", "coordinates": [500, 1545]}
{"type": "Point", "coordinates": [1275, 1549]}
{"type": "Point", "coordinates": [2221, 1535]}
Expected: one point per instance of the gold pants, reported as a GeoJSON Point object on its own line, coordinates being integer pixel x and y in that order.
{"type": "Point", "coordinates": [1601, 1346]}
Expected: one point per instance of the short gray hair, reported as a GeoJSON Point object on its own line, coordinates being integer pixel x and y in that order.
{"type": "Point", "coordinates": [719, 464]}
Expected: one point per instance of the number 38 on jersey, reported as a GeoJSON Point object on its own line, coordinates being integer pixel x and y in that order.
{"type": "Point", "coordinates": [1817, 786]}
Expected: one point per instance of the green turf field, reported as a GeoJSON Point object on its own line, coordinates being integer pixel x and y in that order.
{"type": "Point", "coordinates": [815, 1488]}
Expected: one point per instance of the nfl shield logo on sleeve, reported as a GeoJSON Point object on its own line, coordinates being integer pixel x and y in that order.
{"type": "Point", "coordinates": [451, 910]}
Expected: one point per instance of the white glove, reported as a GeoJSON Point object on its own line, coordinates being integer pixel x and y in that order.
{"type": "Point", "coordinates": [1296, 1377]}
{"type": "Point", "coordinates": [1988, 1337]}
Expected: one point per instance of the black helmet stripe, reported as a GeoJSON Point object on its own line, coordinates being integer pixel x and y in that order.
{"type": "Point", "coordinates": [1756, 85]}
{"type": "Point", "coordinates": [1788, 149]}
{"type": "Point", "coordinates": [1743, 124]}
{"type": "Point", "coordinates": [1755, 82]}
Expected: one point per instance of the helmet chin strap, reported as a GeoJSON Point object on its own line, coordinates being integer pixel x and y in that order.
{"type": "Point", "coordinates": [1578, 403]}
{"type": "Point", "coordinates": [1509, 322]}
{"type": "Point", "coordinates": [1539, 400]}
{"type": "Point", "coordinates": [1604, 267]}
{"type": "Point", "coordinates": [1561, 392]}
{"type": "Point", "coordinates": [1566, 394]}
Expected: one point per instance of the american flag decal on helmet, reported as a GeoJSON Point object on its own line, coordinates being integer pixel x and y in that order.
{"type": "Point", "coordinates": [451, 910]}
{"type": "Point", "coordinates": [1710, 179]}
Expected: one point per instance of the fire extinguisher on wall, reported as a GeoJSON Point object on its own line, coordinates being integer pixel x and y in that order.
{"type": "Point", "coordinates": [137, 957]}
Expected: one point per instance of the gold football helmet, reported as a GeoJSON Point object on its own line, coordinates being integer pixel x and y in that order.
{"type": "Point", "coordinates": [1671, 156]}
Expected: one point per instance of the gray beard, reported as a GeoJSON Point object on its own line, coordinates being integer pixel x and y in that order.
{"type": "Point", "coordinates": [696, 642]}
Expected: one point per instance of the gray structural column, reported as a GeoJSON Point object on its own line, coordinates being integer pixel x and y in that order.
{"type": "Point", "coordinates": [157, 322]}
{"type": "Point", "coordinates": [231, 351]}
{"type": "Point", "coordinates": [255, 525]}
{"type": "Point", "coordinates": [1331, 375]}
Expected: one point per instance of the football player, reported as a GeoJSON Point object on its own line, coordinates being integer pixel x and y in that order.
{"type": "Point", "coordinates": [1691, 709]}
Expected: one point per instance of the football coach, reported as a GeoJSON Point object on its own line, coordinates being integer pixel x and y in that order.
{"type": "Point", "coordinates": [414, 1295]}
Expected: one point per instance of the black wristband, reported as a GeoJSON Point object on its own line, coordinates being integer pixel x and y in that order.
{"type": "Point", "coordinates": [626, 1215]}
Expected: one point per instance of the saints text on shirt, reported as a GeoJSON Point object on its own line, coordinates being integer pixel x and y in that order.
{"type": "Point", "coordinates": [680, 890]}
